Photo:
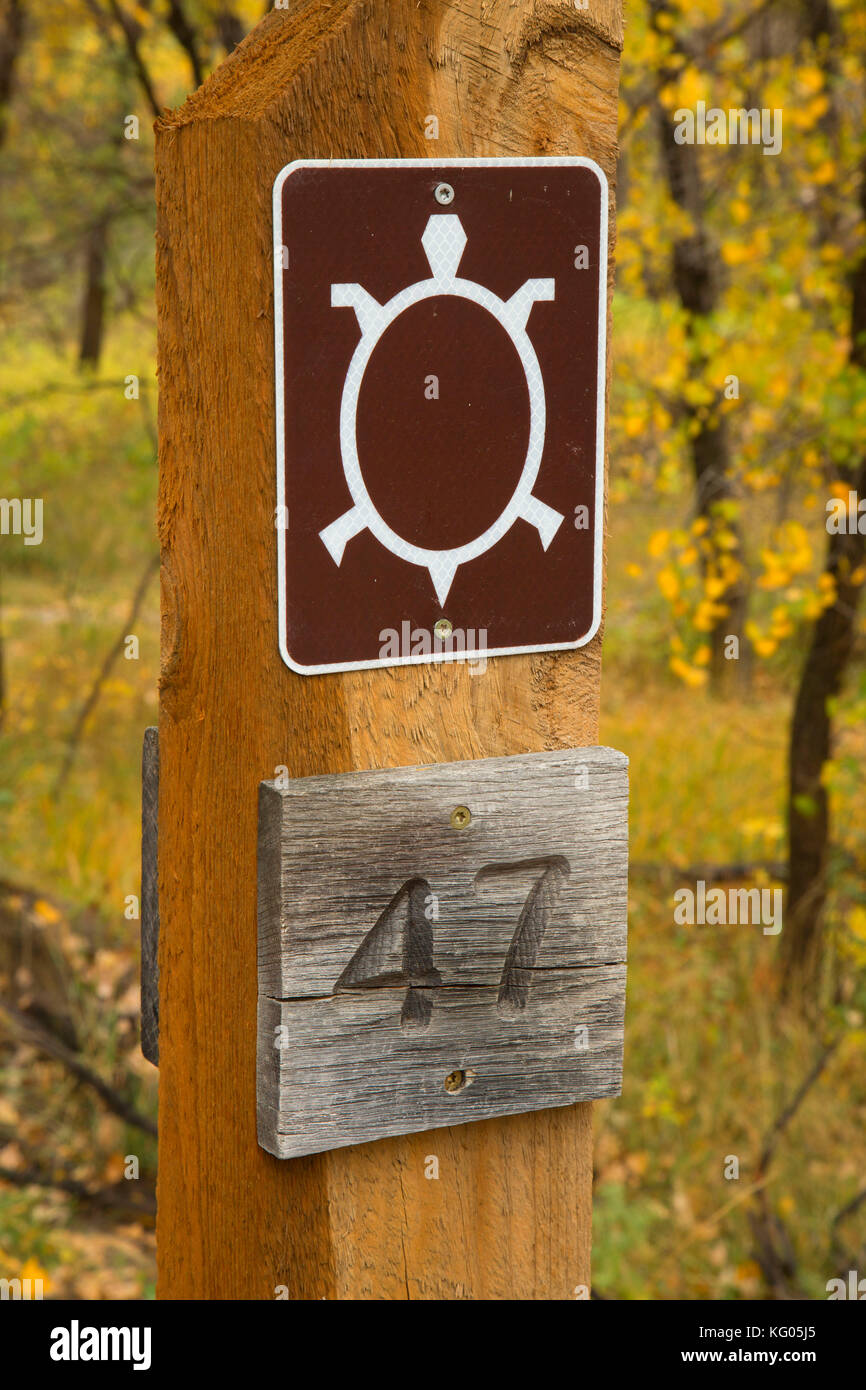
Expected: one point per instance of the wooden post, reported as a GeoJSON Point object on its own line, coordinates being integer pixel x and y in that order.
{"type": "Point", "coordinates": [509, 1216]}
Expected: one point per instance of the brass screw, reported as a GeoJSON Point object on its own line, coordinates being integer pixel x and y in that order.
{"type": "Point", "coordinates": [459, 1080]}
{"type": "Point", "coordinates": [460, 817]}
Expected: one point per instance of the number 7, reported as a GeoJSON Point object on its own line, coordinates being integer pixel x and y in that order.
{"type": "Point", "coordinates": [531, 925]}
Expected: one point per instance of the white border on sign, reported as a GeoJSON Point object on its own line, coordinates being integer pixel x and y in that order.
{"type": "Point", "coordinates": [538, 162]}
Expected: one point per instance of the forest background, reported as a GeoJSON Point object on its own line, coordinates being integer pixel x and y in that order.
{"type": "Point", "coordinates": [733, 677]}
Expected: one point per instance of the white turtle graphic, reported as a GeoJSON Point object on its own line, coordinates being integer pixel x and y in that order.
{"type": "Point", "coordinates": [444, 241]}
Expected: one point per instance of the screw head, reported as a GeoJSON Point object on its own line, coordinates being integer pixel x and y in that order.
{"type": "Point", "coordinates": [459, 1080]}
{"type": "Point", "coordinates": [444, 194]}
{"type": "Point", "coordinates": [442, 629]}
{"type": "Point", "coordinates": [460, 817]}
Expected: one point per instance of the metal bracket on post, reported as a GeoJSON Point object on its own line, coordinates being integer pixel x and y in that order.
{"type": "Point", "coordinates": [439, 944]}
{"type": "Point", "coordinates": [150, 896]}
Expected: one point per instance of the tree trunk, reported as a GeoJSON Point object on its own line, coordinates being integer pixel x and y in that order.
{"type": "Point", "coordinates": [11, 40]}
{"type": "Point", "coordinates": [183, 31]}
{"type": "Point", "coordinates": [696, 284]}
{"type": "Point", "coordinates": [810, 747]}
{"type": "Point", "coordinates": [711, 460]}
{"type": "Point", "coordinates": [93, 304]}
{"type": "Point", "coordinates": [229, 27]}
{"type": "Point", "coordinates": [811, 729]}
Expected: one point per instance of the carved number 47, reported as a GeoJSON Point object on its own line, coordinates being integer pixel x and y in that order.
{"type": "Point", "coordinates": [398, 949]}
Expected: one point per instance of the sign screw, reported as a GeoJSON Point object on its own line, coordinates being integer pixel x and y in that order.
{"type": "Point", "coordinates": [459, 1080]}
{"type": "Point", "coordinates": [460, 817]}
{"type": "Point", "coordinates": [444, 194]}
{"type": "Point", "coordinates": [442, 629]}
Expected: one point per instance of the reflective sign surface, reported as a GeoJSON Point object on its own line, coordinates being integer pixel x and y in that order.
{"type": "Point", "coordinates": [440, 408]}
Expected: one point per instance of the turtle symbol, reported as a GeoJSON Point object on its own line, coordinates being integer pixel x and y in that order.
{"type": "Point", "coordinates": [444, 241]}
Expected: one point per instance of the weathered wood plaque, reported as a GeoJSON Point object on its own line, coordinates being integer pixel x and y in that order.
{"type": "Point", "coordinates": [439, 944]}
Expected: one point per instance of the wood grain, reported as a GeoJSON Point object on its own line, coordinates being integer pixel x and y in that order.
{"type": "Point", "coordinates": [348, 1072]}
{"type": "Point", "coordinates": [509, 1216]}
{"type": "Point", "coordinates": [397, 949]}
{"type": "Point", "coordinates": [346, 843]}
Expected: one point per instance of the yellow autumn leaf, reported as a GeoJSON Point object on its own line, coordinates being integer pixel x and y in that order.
{"type": "Point", "coordinates": [690, 87]}
{"type": "Point", "coordinates": [736, 253]}
{"type": "Point", "coordinates": [812, 607]}
{"type": "Point", "coordinates": [748, 1272]}
{"type": "Point", "coordinates": [46, 912]}
{"type": "Point", "coordinates": [774, 577]}
{"type": "Point", "coordinates": [825, 173]}
{"type": "Point", "coordinates": [703, 619]}
{"type": "Point", "coordinates": [634, 425]}
{"type": "Point", "coordinates": [691, 675]}
{"type": "Point", "coordinates": [32, 1269]}
{"type": "Point", "coordinates": [669, 583]}
{"type": "Point", "coordinates": [810, 79]}
{"type": "Point", "coordinates": [857, 922]}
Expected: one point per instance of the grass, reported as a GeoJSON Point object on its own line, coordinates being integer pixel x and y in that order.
{"type": "Point", "coordinates": [711, 1057]}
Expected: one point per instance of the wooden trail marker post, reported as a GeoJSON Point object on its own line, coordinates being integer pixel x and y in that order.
{"type": "Point", "coordinates": [509, 1214]}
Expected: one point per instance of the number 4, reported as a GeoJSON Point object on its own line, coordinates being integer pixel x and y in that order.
{"type": "Point", "coordinates": [398, 949]}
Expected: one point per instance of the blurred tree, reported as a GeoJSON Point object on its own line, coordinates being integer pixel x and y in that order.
{"type": "Point", "coordinates": [93, 308]}
{"type": "Point", "coordinates": [834, 634]}
{"type": "Point", "coordinates": [78, 86]}
{"type": "Point", "coordinates": [11, 39]}
{"type": "Point", "coordinates": [745, 267]}
{"type": "Point", "coordinates": [695, 275]}
{"type": "Point", "coordinates": [739, 375]}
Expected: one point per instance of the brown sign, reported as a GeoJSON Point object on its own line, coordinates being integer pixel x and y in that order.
{"type": "Point", "coordinates": [440, 355]}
